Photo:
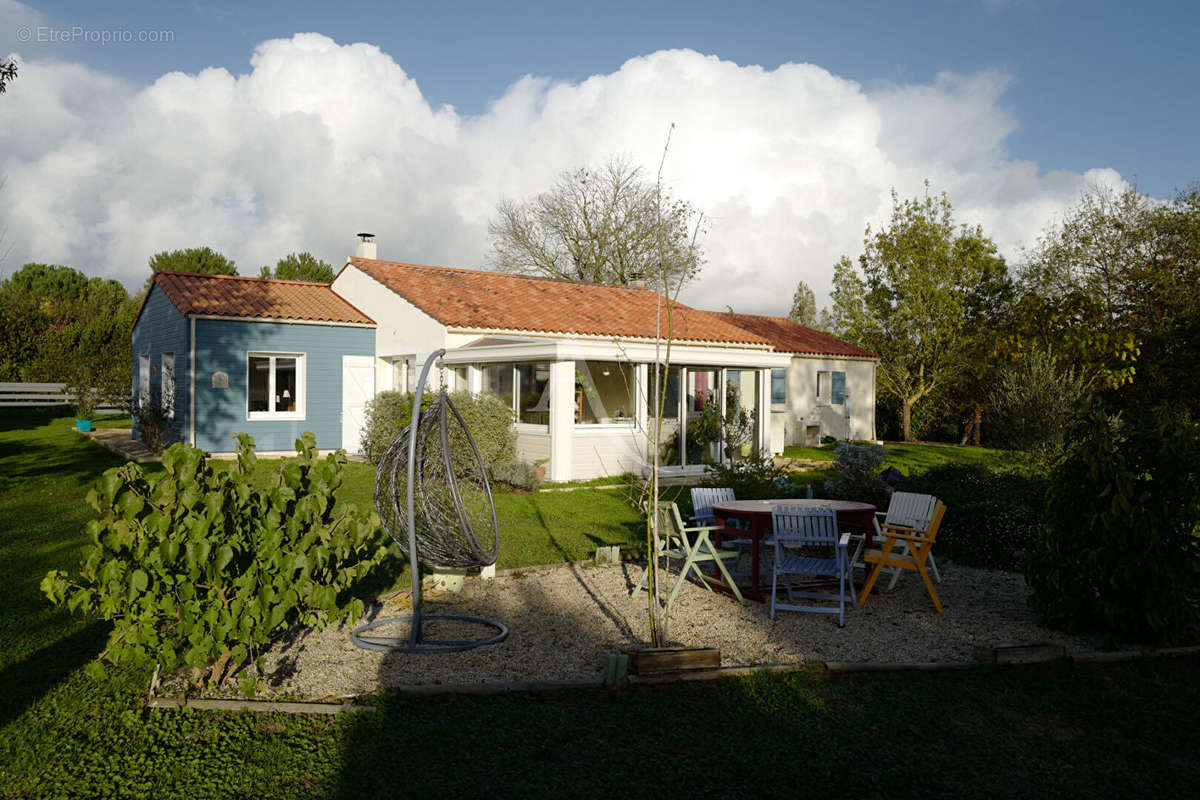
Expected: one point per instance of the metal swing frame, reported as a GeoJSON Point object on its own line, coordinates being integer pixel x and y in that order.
{"type": "Point", "coordinates": [416, 641]}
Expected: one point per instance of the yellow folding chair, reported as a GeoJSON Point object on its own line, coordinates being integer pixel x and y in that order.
{"type": "Point", "coordinates": [920, 542]}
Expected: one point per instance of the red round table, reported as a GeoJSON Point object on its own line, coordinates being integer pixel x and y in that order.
{"type": "Point", "coordinates": [859, 516]}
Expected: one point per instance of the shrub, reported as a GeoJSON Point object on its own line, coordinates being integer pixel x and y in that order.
{"type": "Point", "coordinates": [1121, 553]}
{"type": "Point", "coordinates": [753, 478]}
{"type": "Point", "coordinates": [858, 478]}
{"type": "Point", "coordinates": [490, 422]}
{"type": "Point", "coordinates": [199, 566]}
{"type": "Point", "coordinates": [519, 474]}
{"type": "Point", "coordinates": [993, 516]}
{"type": "Point", "coordinates": [387, 414]}
{"type": "Point", "coordinates": [153, 423]}
{"type": "Point", "coordinates": [1033, 403]}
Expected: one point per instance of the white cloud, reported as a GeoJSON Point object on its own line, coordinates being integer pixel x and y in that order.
{"type": "Point", "coordinates": [319, 141]}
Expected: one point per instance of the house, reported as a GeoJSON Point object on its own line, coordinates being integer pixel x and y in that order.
{"type": "Point", "coordinates": [575, 362]}
{"type": "Point", "coordinates": [578, 364]}
{"type": "Point", "coordinates": [828, 389]}
{"type": "Point", "coordinates": [226, 355]}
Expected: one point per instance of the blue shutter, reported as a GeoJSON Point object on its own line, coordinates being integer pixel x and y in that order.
{"type": "Point", "coordinates": [839, 388]}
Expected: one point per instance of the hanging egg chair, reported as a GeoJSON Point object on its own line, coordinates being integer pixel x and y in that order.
{"type": "Point", "coordinates": [434, 499]}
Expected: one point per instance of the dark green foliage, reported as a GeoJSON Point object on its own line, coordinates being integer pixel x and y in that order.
{"type": "Point", "coordinates": [1033, 401]}
{"type": "Point", "coordinates": [754, 478]}
{"type": "Point", "coordinates": [387, 414]}
{"type": "Point", "coordinates": [488, 419]}
{"type": "Point", "coordinates": [198, 565]}
{"type": "Point", "coordinates": [993, 515]}
{"type": "Point", "coordinates": [518, 474]}
{"type": "Point", "coordinates": [299, 267]}
{"type": "Point", "coordinates": [57, 325]}
{"type": "Point", "coordinates": [1121, 554]}
{"type": "Point", "coordinates": [193, 259]}
{"type": "Point", "coordinates": [152, 421]}
{"type": "Point", "coordinates": [858, 467]}
{"type": "Point", "coordinates": [8, 73]}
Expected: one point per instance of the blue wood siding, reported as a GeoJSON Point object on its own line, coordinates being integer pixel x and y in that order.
{"type": "Point", "coordinates": [162, 329]}
{"type": "Point", "coordinates": [222, 346]}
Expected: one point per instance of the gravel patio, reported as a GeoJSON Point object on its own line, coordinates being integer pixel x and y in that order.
{"type": "Point", "coordinates": [564, 619]}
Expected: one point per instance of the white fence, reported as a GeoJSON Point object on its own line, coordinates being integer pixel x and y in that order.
{"type": "Point", "coordinates": [28, 395]}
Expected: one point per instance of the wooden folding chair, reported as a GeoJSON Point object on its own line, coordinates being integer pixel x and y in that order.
{"type": "Point", "coordinates": [694, 547]}
{"type": "Point", "coordinates": [920, 542]}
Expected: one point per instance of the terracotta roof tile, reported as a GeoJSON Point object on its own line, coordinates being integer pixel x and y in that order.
{"type": "Point", "coordinates": [469, 298]}
{"type": "Point", "coordinates": [789, 337]}
{"type": "Point", "coordinates": [235, 296]}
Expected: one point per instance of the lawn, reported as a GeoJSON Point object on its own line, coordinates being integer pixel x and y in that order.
{"type": "Point", "coordinates": [1063, 730]}
{"type": "Point", "coordinates": [909, 458]}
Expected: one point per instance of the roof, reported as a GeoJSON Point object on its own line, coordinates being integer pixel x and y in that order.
{"type": "Point", "coordinates": [477, 299]}
{"type": "Point", "coordinates": [788, 336]}
{"type": "Point", "coordinates": [234, 296]}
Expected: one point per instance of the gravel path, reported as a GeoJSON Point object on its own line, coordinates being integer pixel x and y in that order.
{"type": "Point", "coordinates": [564, 619]}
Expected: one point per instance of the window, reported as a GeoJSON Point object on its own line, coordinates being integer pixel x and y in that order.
{"type": "Point", "coordinates": [143, 380]}
{"type": "Point", "coordinates": [671, 402]}
{"type": "Point", "coordinates": [498, 380]}
{"type": "Point", "coordinates": [779, 386]}
{"type": "Point", "coordinates": [168, 385]}
{"type": "Point", "coordinates": [458, 379]}
{"type": "Point", "coordinates": [603, 392]}
{"type": "Point", "coordinates": [533, 393]}
{"type": "Point", "coordinates": [274, 386]}
{"type": "Point", "coordinates": [831, 388]}
{"type": "Point", "coordinates": [823, 382]}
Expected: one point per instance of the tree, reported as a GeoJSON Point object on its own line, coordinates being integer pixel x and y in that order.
{"type": "Point", "coordinates": [8, 72]}
{"type": "Point", "coordinates": [804, 310]}
{"type": "Point", "coordinates": [910, 302]}
{"type": "Point", "coordinates": [603, 225]}
{"type": "Point", "coordinates": [299, 267]}
{"type": "Point", "coordinates": [193, 259]}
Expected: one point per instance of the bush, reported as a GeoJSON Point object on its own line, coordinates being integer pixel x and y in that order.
{"type": "Point", "coordinates": [519, 474]}
{"type": "Point", "coordinates": [993, 516]}
{"type": "Point", "coordinates": [1121, 553]}
{"type": "Point", "coordinates": [153, 423]}
{"type": "Point", "coordinates": [1033, 403]}
{"type": "Point", "coordinates": [387, 414]}
{"type": "Point", "coordinates": [753, 478]}
{"type": "Point", "coordinates": [489, 420]}
{"type": "Point", "coordinates": [198, 566]}
{"type": "Point", "coordinates": [858, 478]}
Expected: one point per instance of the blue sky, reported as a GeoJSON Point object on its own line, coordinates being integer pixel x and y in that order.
{"type": "Point", "coordinates": [1113, 84]}
{"type": "Point", "coordinates": [263, 128]}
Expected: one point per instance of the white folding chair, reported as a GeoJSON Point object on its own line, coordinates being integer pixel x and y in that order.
{"type": "Point", "coordinates": [906, 510]}
{"type": "Point", "coordinates": [795, 527]}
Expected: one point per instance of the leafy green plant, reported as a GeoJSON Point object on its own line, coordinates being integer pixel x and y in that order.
{"type": "Point", "coordinates": [154, 425]}
{"type": "Point", "coordinates": [753, 478]}
{"type": "Point", "coordinates": [1122, 549]}
{"type": "Point", "coordinates": [198, 566]}
{"type": "Point", "coordinates": [993, 515]}
{"type": "Point", "coordinates": [387, 413]}
{"type": "Point", "coordinates": [1033, 402]}
{"type": "Point", "coordinates": [518, 474]}
{"type": "Point", "coordinates": [858, 478]}
{"type": "Point", "coordinates": [490, 422]}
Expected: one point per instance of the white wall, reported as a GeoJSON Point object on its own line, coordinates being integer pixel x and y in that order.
{"type": "Point", "coordinates": [802, 402]}
{"type": "Point", "coordinates": [598, 450]}
{"type": "Point", "coordinates": [401, 328]}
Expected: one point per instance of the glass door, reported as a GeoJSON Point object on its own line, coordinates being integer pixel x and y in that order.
{"type": "Point", "coordinates": [702, 417]}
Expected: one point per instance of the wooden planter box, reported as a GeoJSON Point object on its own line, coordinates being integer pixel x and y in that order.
{"type": "Point", "coordinates": [667, 660]}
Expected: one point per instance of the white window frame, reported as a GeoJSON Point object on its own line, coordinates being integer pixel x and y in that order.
{"type": "Point", "coordinates": [167, 383]}
{"type": "Point", "coordinates": [826, 384]}
{"type": "Point", "coordinates": [771, 386]}
{"type": "Point", "coordinates": [301, 387]}
{"type": "Point", "coordinates": [143, 380]}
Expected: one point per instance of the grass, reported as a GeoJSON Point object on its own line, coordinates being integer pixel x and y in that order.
{"type": "Point", "coordinates": [909, 458]}
{"type": "Point", "coordinates": [1062, 730]}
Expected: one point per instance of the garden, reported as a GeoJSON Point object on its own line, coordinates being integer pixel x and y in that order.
{"type": "Point", "coordinates": [61, 714]}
